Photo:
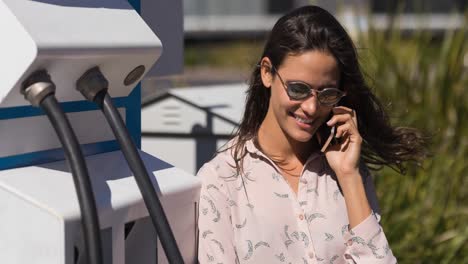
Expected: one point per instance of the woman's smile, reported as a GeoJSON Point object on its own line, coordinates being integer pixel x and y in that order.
{"type": "Point", "coordinates": [302, 119]}
{"type": "Point", "coordinates": [302, 122]}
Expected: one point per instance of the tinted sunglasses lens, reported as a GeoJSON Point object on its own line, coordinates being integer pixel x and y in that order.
{"type": "Point", "coordinates": [298, 91]}
{"type": "Point", "coordinates": [330, 96]}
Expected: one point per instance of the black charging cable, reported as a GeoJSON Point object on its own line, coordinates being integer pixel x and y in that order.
{"type": "Point", "coordinates": [39, 90]}
{"type": "Point", "coordinates": [93, 85]}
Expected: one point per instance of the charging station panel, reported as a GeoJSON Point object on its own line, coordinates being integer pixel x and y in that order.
{"type": "Point", "coordinates": [67, 38]}
{"type": "Point", "coordinates": [41, 217]}
{"type": "Point", "coordinates": [38, 203]}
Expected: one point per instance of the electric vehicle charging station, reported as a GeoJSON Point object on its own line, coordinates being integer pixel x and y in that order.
{"type": "Point", "coordinates": [39, 212]}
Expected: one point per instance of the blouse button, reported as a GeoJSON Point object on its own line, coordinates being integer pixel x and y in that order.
{"type": "Point", "coordinates": [301, 216]}
{"type": "Point", "coordinates": [348, 256]}
{"type": "Point", "coordinates": [311, 255]}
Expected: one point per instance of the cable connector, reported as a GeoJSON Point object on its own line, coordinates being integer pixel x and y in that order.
{"type": "Point", "coordinates": [37, 87]}
{"type": "Point", "coordinates": [91, 83]}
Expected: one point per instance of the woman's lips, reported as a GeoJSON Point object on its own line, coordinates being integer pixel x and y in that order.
{"type": "Point", "coordinates": [302, 122]}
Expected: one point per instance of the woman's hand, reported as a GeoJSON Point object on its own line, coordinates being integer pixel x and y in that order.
{"type": "Point", "coordinates": [343, 157]}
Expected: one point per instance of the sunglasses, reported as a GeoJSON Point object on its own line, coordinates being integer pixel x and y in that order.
{"type": "Point", "coordinates": [298, 90]}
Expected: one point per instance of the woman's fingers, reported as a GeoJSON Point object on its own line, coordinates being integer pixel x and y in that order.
{"type": "Point", "coordinates": [341, 130]}
{"type": "Point", "coordinates": [342, 114]}
{"type": "Point", "coordinates": [345, 122]}
{"type": "Point", "coordinates": [340, 119]}
{"type": "Point", "coordinates": [342, 110]}
{"type": "Point", "coordinates": [355, 119]}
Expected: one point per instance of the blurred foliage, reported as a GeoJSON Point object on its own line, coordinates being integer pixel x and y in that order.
{"type": "Point", "coordinates": [423, 81]}
{"type": "Point", "coordinates": [239, 54]}
{"type": "Point", "coordinates": [425, 212]}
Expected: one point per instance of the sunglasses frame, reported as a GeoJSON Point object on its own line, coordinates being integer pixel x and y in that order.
{"type": "Point", "coordinates": [311, 90]}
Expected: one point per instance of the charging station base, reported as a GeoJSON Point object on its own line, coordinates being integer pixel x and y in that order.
{"type": "Point", "coordinates": [41, 216]}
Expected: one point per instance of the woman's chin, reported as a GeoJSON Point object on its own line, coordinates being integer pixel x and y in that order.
{"type": "Point", "coordinates": [302, 136]}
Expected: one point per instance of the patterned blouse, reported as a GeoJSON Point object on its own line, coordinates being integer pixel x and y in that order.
{"type": "Point", "coordinates": [256, 217]}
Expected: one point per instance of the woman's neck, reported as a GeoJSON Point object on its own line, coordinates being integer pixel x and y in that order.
{"type": "Point", "coordinates": [276, 144]}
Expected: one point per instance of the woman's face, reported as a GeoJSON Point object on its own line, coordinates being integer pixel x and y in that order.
{"type": "Point", "coordinates": [300, 119]}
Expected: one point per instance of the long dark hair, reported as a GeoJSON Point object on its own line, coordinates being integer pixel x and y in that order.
{"type": "Point", "coordinates": [313, 28]}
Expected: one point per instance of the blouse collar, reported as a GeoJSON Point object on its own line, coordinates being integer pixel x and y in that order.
{"type": "Point", "coordinates": [251, 148]}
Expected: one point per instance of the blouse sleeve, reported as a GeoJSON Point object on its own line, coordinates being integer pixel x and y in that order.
{"type": "Point", "coordinates": [366, 242]}
{"type": "Point", "coordinates": [215, 237]}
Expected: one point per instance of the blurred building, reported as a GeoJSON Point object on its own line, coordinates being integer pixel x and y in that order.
{"type": "Point", "coordinates": [186, 126]}
{"type": "Point", "coordinates": [227, 18]}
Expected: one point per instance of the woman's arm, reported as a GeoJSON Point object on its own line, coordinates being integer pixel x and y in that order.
{"type": "Point", "coordinates": [357, 205]}
{"type": "Point", "coordinates": [365, 239]}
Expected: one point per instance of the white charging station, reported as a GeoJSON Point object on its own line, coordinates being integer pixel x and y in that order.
{"type": "Point", "coordinates": [39, 212]}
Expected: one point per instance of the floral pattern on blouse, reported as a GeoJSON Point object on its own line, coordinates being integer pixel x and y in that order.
{"type": "Point", "coordinates": [256, 217]}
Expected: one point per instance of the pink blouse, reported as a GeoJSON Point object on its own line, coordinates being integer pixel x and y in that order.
{"type": "Point", "coordinates": [257, 217]}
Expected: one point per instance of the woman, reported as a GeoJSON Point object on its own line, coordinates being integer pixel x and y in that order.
{"type": "Point", "coordinates": [272, 196]}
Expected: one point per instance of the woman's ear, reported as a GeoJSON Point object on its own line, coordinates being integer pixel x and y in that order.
{"type": "Point", "coordinates": [265, 72]}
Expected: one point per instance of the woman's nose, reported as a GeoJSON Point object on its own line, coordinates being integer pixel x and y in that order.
{"type": "Point", "coordinates": [310, 105]}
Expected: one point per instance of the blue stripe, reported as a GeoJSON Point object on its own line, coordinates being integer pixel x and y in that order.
{"type": "Point", "coordinates": [133, 115]}
{"type": "Point", "coordinates": [136, 5]}
{"type": "Point", "coordinates": [20, 111]}
{"type": "Point", "coordinates": [67, 107]}
{"type": "Point", "coordinates": [134, 104]}
{"type": "Point", "coordinates": [45, 156]}
{"type": "Point", "coordinates": [51, 155]}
